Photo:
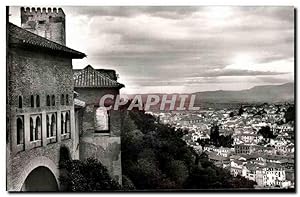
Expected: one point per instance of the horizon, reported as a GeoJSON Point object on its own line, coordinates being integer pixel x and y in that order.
{"type": "Point", "coordinates": [212, 90]}
{"type": "Point", "coordinates": [201, 49]}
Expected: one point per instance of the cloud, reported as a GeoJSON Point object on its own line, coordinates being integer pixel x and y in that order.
{"type": "Point", "coordinates": [170, 12]}
{"type": "Point", "coordinates": [168, 45]}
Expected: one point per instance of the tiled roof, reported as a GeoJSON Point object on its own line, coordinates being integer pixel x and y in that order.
{"type": "Point", "coordinates": [90, 77]}
{"type": "Point", "coordinates": [20, 36]}
{"type": "Point", "coordinates": [106, 72]}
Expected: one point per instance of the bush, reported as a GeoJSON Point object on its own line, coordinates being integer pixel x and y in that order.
{"type": "Point", "coordinates": [86, 176]}
{"type": "Point", "coordinates": [154, 156]}
{"type": "Point", "coordinates": [127, 184]}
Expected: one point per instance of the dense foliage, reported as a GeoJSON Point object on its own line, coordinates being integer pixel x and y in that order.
{"type": "Point", "coordinates": [154, 156]}
{"type": "Point", "coordinates": [290, 114]}
{"type": "Point", "coordinates": [216, 139]}
{"type": "Point", "coordinates": [86, 176]}
{"type": "Point", "coordinates": [266, 132]}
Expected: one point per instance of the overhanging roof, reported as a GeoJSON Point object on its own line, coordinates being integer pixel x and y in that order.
{"type": "Point", "coordinates": [21, 37]}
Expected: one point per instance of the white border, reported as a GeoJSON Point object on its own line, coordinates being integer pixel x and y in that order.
{"type": "Point", "coordinates": [115, 2]}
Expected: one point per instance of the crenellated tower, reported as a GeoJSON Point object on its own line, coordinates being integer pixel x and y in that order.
{"type": "Point", "coordinates": [48, 23]}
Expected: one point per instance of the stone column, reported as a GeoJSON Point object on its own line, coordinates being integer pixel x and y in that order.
{"type": "Point", "coordinates": [73, 132]}
{"type": "Point", "coordinates": [58, 126]}
{"type": "Point", "coordinates": [27, 131]}
{"type": "Point", "coordinates": [44, 129]}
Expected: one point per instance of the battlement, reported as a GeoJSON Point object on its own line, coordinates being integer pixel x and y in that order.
{"type": "Point", "coordinates": [46, 22]}
{"type": "Point", "coordinates": [42, 11]}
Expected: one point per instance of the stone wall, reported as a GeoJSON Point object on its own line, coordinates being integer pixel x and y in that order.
{"type": "Point", "coordinates": [32, 73]}
{"type": "Point", "coordinates": [106, 147]}
{"type": "Point", "coordinates": [37, 74]}
{"type": "Point", "coordinates": [48, 23]}
{"type": "Point", "coordinates": [91, 97]}
{"type": "Point", "coordinates": [22, 163]}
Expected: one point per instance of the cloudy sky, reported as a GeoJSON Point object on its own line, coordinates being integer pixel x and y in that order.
{"type": "Point", "coordinates": [184, 49]}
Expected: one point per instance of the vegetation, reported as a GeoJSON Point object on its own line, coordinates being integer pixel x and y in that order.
{"type": "Point", "coordinates": [290, 114]}
{"type": "Point", "coordinates": [266, 132]}
{"type": "Point", "coordinates": [216, 139]}
{"type": "Point", "coordinates": [86, 176]}
{"type": "Point", "coordinates": [154, 156]}
{"type": "Point", "coordinates": [241, 111]}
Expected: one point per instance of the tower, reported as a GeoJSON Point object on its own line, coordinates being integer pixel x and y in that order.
{"type": "Point", "coordinates": [48, 23]}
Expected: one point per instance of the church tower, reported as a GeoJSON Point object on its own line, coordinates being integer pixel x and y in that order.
{"type": "Point", "coordinates": [48, 23]}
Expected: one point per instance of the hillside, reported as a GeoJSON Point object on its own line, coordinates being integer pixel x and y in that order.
{"type": "Point", "coordinates": [268, 93]}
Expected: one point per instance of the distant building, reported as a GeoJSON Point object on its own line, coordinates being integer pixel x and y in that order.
{"type": "Point", "coordinates": [243, 148]}
{"type": "Point", "coordinates": [271, 176]}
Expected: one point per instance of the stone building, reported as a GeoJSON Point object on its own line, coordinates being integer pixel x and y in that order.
{"type": "Point", "coordinates": [100, 129]}
{"type": "Point", "coordinates": [44, 22]}
{"type": "Point", "coordinates": [40, 100]}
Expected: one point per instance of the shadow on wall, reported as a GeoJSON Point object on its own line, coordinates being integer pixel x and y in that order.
{"type": "Point", "coordinates": [64, 154]}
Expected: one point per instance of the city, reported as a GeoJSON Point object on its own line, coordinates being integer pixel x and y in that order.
{"type": "Point", "coordinates": [253, 141]}
{"type": "Point", "coordinates": [101, 98]}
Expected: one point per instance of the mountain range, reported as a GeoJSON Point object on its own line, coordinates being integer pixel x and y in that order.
{"type": "Point", "coordinates": [257, 94]}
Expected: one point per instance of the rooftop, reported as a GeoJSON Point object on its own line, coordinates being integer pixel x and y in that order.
{"type": "Point", "coordinates": [92, 78]}
{"type": "Point", "coordinates": [21, 37]}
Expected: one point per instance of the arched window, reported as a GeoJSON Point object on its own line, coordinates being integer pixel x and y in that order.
{"type": "Point", "coordinates": [31, 130]}
{"type": "Point", "coordinates": [67, 123]}
{"type": "Point", "coordinates": [32, 100]}
{"type": "Point", "coordinates": [48, 126]}
{"type": "Point", "coordinates": [62, 99]}
{"type": "Point", "coordinates": [53, 125]}
{"type": "Point", "coordinates": [67, 99]}
{"type": "Point", "coordinates": [20, 102]}
{"type": "Point", "coordinates": [62, 125]}
{"type": "Point", "coordinates": [38, 128]}
{"type": "Point", "coordinates": [101, 120]}
{"type": "Point", "coordinates": [53, 100]}
{"type": "Point", "coordinates": [48, 100]}
{"type": "Point", "coordinates": [37, 100]}
{"type": "Point", "coordinates": [20, 131]}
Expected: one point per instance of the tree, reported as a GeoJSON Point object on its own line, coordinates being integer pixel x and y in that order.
{"type": "Point", "coordinates": [177, 171]}
{"type": "Point", "coordinates": [241, 111]}
{"type": "Point", "coordinates": [266, 132]}
{"type": "Point", "coordinates": [162, 160]}
{"type": "Point", "coordinates": [203, 142]}
{"type": "Point", "coordinates": [127, 184]}
{"type": "Point", "coordinates": [225, 141]}
{"type": "Point", "coordinates": [290, 114]}
{"type": "Point", "coordinates": [86, 176]}
{"type": "Point", "coordinates": [214, 134]}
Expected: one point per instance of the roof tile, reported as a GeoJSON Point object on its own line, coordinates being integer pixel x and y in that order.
{"type": "Point", "coordinates": [18, 35]}
{"type": "Point", "coordinates": [90, 77]}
